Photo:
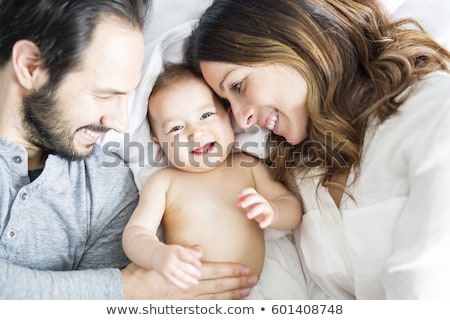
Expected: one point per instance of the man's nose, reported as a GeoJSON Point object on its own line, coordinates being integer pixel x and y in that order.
{"type": "Point", "coordinates": [116, 117]}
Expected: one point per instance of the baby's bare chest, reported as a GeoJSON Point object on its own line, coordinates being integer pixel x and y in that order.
{"type": "Point", "coordinates": [207, 204]}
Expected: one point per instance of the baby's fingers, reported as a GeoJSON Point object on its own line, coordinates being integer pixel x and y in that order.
{"type": "Point", "coordinates": [247, 192]}
{"type": "Point", "coordinates": [185, 276]}
{"type": "Point", "coordinates": [256, 211]}
{"type": "Point", "coordinates": [186, 272]}
{"type": "Point", "coordinates": [265, 221]}
{"type": "Point", "coordinates": [247, 200]}
{"type": "Point", "coordinates": [261, 214]}
{"type": "Point", "coordinates": [190, 260]}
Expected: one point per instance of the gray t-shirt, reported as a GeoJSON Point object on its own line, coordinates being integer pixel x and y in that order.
{"type": "Point", "coordinates": [60, 235]}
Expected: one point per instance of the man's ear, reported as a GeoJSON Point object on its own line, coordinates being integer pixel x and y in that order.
{"type": "Point", "coordinates": [27, 64]}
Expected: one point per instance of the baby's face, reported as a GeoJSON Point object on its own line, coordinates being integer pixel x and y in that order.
{"type": "Point", "coordinates": [192, 127]}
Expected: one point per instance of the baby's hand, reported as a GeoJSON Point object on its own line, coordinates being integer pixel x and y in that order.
{"type": "Point", "coordinates": [177, 264]}
{"type": "Point", "coordinates": [256, 207]}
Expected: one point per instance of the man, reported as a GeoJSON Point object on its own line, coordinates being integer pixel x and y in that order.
{"type": "Point", "coordinates": [66, 69]}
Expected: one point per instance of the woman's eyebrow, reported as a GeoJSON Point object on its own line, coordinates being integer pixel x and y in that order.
{"type": "Point", "coordinates": [221, 85]}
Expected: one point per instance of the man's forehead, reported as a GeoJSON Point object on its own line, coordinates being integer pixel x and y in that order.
{"type": "Point", "coordinates": [114, 55]}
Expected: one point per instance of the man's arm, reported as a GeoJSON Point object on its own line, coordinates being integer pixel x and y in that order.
{"type": "Point", "coordinates": [221, 281]}
{"type": "Point", "coordinates": [96, 274]}
{"type": "Point", "coordinates": [23, 283]}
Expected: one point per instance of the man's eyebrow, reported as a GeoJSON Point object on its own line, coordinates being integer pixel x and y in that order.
{"type": "Point", "coordinates": [109, 91]}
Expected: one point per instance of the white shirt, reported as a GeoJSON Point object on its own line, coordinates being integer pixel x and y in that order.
{"type": "Point", "coordinates": [394, 242]}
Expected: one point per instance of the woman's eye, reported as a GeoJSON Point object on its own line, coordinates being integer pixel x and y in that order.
{"type": "Point", "coordinates": [175, 129]}
{"type": "Point", "coordinates": [206, 115]}
{"type": "Point", "coordinates": [237, 86]}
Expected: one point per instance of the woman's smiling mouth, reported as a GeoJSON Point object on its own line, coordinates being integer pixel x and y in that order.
{"type": "Point", "coordinates": [272, 121]}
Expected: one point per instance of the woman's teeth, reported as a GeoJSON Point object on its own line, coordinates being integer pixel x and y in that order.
{"type": "Point", "coordinates": [272, 122]}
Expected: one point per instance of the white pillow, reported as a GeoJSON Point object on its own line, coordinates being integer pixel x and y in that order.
{"type": "Point", "coordinates": [434, 15]}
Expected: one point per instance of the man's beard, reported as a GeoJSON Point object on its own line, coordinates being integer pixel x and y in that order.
{"type": "Point", "coordinates": [46, 126]}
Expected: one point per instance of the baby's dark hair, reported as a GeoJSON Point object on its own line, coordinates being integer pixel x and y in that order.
{"type": "Point", "coordinates": [178, 71]}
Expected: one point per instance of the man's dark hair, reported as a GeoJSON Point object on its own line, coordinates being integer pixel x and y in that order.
{"type": "Point", "coordinates": [62, 29]}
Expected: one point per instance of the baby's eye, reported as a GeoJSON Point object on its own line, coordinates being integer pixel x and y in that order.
{"type": "Point", "coordinates": [206, 115]}
{"type": "Point", "coordinates": [175, 129]}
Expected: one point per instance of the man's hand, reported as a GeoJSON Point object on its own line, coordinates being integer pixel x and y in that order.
{"type": "Point", "coordinates": [220, 281]}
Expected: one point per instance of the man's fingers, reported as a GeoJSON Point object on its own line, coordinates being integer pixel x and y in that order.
{"type": "Point", "coordinates": [213, 270]}
{"type": "Point", "coordinates": [236, 294]}
{"type": "Point", "coordinates": [225, 281]}
{"type": "Point", "coordinates": [226, 288]}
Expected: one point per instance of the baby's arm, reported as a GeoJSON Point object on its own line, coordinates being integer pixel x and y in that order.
{"type": "Point", "coordinates": [179, 265]}
{"type": "Point", "coordinates": [270, 203]}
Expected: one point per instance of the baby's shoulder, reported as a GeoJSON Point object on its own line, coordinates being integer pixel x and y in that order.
{"type": "Point", "coordinates": [161, 177]}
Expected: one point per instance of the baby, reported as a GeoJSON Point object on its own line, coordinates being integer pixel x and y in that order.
{"type": "Point", "coordinates": [213, 204]}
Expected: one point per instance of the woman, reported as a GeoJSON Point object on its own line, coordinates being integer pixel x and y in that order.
{"type": "Point", "coordinates": [359, 109]}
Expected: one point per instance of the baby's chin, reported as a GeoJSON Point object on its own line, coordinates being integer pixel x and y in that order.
{"type": "Point", "coordinates": [199, 167]}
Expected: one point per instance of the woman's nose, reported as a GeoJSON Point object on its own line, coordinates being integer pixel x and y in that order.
{"type": "Point", "coordinates": [245, 116]}
{"type": "Point", "coordinates": [116, 117]}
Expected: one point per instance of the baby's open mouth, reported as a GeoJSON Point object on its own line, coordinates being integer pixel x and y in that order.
{"type": "Point", "coordinates": [207, 148]}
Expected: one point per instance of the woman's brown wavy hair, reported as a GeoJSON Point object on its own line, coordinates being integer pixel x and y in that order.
{"type": "Point", "coordinates": [355, 60]}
